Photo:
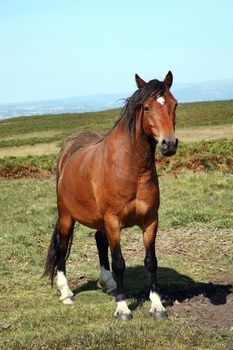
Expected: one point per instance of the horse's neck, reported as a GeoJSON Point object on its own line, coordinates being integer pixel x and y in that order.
{"type": "Point", "coordinates": [135, 149]}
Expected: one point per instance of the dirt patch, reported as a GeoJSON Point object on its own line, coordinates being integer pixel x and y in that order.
{"type": "Point", "coordinates": [214, 311]}
{"type": "Point", "coordinates": [208, 304]}
{"type": "Point", "coordinates": [205, 304]}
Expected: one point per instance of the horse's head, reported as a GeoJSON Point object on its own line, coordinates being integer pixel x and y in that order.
{"type": "Point", "coordinates": [158, 110]}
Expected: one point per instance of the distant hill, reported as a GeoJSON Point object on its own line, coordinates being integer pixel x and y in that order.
{"type": "Point", "coordinates": [92, 103]}
{"type": "Point", "coordinates": [206, 91]}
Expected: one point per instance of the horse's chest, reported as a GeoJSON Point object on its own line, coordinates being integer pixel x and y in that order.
{"type": "Point", "coordinates": [143, 206]}
{"type": "Point", "coordinates": [146, 201]}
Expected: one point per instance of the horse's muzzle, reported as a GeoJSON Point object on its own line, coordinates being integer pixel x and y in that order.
{"type": "Point", "coordinates": [168, 146]}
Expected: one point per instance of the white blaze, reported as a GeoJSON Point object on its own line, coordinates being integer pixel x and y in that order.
{"type": "Point", "coordinates": [161, 100]}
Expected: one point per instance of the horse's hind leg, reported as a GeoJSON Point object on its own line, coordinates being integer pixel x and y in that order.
{"type": "Point", "coordinates": [66, 226]}
{"type": "Point", "coordinates": [106, 281]}
{"type": "Point", "coordinates": [57, 255]}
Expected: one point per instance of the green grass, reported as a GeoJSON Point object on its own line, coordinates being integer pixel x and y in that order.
{"type": "Point", "coordinates": [31, 141]}
{"type": "Point", "coordinates": [65, 123]}
{"type": "Point", "coordinates": [188, 115]}
{"type": "Point", "coordinates": [198, 156]}
{"type": "Point", "coordinates": [204, 199]}
{"type": "Point", "coordinates": [44, 162]}
{"type": "Point", "coordinates": [29, 308]}
{"type": "Point", "coordinates": [205, 113]}
{"type": "Point", "coordinates": [201, 156]}
{"type": "Point", "coordinates": [18, 167]}
{"type": "Point", "coordinates": [194, 244]}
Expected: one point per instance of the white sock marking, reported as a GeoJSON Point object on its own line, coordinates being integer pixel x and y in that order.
{"type": "Point", "coordinates": [106, 280]}
{"type": "Point", "coordinates": [122, 308]}
{"type": "Point", "coordinates": [63, 286]}
{"type": "Point", "coordinates": [156, 302]}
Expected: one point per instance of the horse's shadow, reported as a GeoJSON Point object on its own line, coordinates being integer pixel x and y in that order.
{"type": "Point", "coordinates": [172, 285]}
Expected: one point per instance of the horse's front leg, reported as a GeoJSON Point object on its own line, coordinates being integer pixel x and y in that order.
{"type": "Point", "coordinates": [106, 281]}
{"type": "Point", "coordinates": [118, 267]}
{"type": "Point", "coordinates": [149, 235]}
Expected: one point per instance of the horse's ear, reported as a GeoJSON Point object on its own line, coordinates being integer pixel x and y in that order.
{"type": "Point", "coordinates": [168, 79]}
{"type": "Point", "coordinates": [140, 82]}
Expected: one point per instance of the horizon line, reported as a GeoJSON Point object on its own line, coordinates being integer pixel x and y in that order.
{"type": "Point", "coordinates": [105, 93]}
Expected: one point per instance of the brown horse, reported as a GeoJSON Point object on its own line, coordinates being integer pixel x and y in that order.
{"type": "Point", "coordinates": [112, 184]}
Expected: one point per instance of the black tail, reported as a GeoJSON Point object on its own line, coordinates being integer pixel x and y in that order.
{"type": "Point", "coordinates": [53, 254]}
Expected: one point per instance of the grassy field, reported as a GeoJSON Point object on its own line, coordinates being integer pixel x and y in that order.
{"type": "Point", "coordinates": [194, 247]}
{"type": "Point", "coordinates": [196, 156]}
{"type": "Point", "coordinates": [189, 250]}
{"type": "Point", "coordinates": [18, 130]}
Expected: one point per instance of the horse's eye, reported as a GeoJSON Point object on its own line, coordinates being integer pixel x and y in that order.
{"type": "Point", "coordinates": [146, 109]}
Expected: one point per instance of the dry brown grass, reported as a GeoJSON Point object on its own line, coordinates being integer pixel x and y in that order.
{"type": "Point", "coordinates": [29, 135]}
{"type": "Point", "coordinates": [200, 133]}
{"type": "Point", "coordinates": [34, 150]}
{"type": "Point", "coordinates": [203, 133]}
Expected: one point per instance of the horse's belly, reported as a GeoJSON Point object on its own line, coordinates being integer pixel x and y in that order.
{"type": "Point", "coordinates": [78, 199]}
{"type": "Point", "coordinates": [85, 212]}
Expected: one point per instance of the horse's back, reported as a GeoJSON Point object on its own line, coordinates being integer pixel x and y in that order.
{"type": "Point", "coordinates": [74, 143]}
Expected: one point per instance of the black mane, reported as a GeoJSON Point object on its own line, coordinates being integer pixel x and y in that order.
{"type": "Point", "coordinates": [128, 114]}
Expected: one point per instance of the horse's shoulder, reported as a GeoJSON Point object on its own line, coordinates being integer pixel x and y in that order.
{"type": "Point", "coordinates": [75, 143]}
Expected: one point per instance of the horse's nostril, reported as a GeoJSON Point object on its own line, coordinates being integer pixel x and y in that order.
{"type": "Point", "coordinates": [169, 144]}
{"type": "Point", "coordinates": [164, 143]}
{"type": "Point", "coordinates": [176, 143]}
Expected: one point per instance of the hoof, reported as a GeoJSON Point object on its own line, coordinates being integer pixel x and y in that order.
{"type": "Point", "coordinates": [68, 301]}
{"type": "Point", "coordinates": [109, 290]}
{"type": "Point", "coordinates": [159, 315]}
{"type": "Point", "coordinates": [123, 317]}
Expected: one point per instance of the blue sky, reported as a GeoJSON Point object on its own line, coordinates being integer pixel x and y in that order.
{"type": "Point", "coordinates": [55, 49]}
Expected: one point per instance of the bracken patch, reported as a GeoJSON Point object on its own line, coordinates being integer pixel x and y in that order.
{"type": "Point", "coordinates": [201, 156]}
{"type": "Point", "coordinates": [17, 172]}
